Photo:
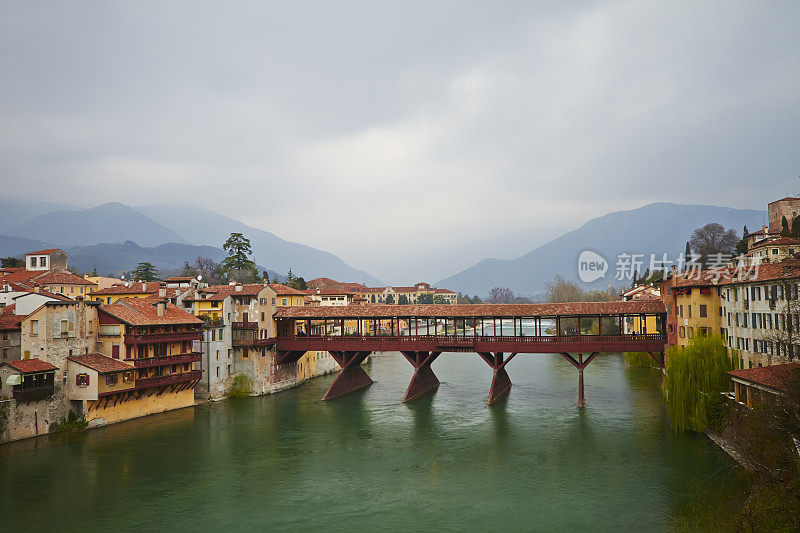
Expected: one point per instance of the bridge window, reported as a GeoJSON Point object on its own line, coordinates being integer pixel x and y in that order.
{"type": "Point", "coordinates": [590, 325]}
{"type": "Point", "coordinates": [611, 325]}
{"type": "Point", "coordinates": [568, 326]}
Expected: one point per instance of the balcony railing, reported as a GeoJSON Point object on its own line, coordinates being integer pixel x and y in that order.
{"type": "Point", "coordinates": [244, 325]}
{"type": "Point", "coordinates": [162, 360]}
{"type": "Point", "coordinates": [171, 379]}
{"type": "Point", "coordinates": [173, 336]}
{"type": "Point", "coordinates": [32, 394]}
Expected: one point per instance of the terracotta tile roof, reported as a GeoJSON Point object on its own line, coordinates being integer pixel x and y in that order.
{"type": "Point", "coordinates": [144, 312]}
{"type": "Point", "coordinates": [220, 292]}
{"type": "Point", "coordinates": [67, 278]}
{"type": "Point", "coordinates": [101, 363]}
{"type": "Point", "coordinates": [179, 278]}
{"type": "Point", "coordinates": [47, 251]}
{"type": "Point", "coordinates": [784, 199]}
{"type": "Point", "coordinates": [8, 320]}
{"type": "Point", "coordinates": [780, 241]}
{"type": "Point", "coordinates": [27, 366]}
{"type": "Point", "coordinates": [776, 377]}
{"type": "Point", "coordinates": [20, 274]}
{"type": "Point", "coordinates": [479, 310]}
{"type": "Point", "coordinates": [132, 288]}
{"type": "Point", "coordinates": [444, 291]}
{"type": "Point", "coordinates": [786, 269]}
{"type": "Point", "coordinates": [283, 290]}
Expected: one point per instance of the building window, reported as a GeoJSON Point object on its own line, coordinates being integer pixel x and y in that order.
{"type": "Point", "coordinates": [217, 360]}
{"type": "Point", "coordinates": [283, 301]}
{"type": "Point", "coordinates": [213, 334]}
{"type": "Point", "coordinates": [245, 353]}
{"type": "Point", "coordinates": [82, 380]}
{"type": "Point", "coordinates": [217, 371]}
{"type": "Point", "coordinates": [229, 370]}
{"type": "Point", "coordinates": [689, 307]}
{"type": "Point", "coordinates": [703, 311]}
{"type": "Point", "coordinates": [34, 327]}
{"type": "Point", "coordinates": [127, 377]}
{"type": "Point", "coordinates": [111, 379]}
{"type": "Point", "coordinates": [64, 328]}
{"type": "Point", "coordinates": [681, 332]}
{"type": "Point", "coordinates": [220, 333]}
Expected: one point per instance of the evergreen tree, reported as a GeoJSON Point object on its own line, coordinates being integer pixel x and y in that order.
{"type": "Point", "coordinates": [145, 271]}
{"type": "Point", "coordinates": [94, 272]}
{"type": "Point", "coordinates": [275, 279]}
{"type": "Point", "coordinates": [745, 233]}
{"type": "Point", "coordinates": [688, 252]}
{"type": "Point", "coordinates": [12, 262]}
{"type": "Point", "coordinates": [785, 228]}
{"type": "Point", "coordinates": [390, 299]}
{"type": "Point", "coordinates": [238, 263]}
{"type": "Point", "coordinates": [795, 227]}
{"type": "Point", "coordinates": [289, 277]}
{"type": "Point", "coordinates": [403, 300]}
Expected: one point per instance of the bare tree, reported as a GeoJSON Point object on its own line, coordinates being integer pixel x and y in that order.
{"type": "Point", "coordinates": [713, 239]}
{"type": "Point", "coordinates": [561, 290]}
{"type": "Point", "coordinates": [211, 271]}
{"type": "Point", "coordinates": [501, 295]}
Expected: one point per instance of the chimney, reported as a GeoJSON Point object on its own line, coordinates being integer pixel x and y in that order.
{"type": "Point", "coordinates": [160, 308]}
{"type": "Point", "coordinates": [36, 289]}
{"type": "Point", "coordinates": [162, 293]}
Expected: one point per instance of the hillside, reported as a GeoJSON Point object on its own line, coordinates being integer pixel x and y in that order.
{"type": "Point", "coordinates": [205, 227]}
{"type": "Point", "coordinates": [654, 228]}
{"type": "Point", "coordinates": [111, 222]}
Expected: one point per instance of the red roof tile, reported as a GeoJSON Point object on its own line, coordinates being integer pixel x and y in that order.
{"type": "Point", "coordinates": [479, 310]}
{"type": "Point", "coordinates": [103, 364]}
{"type": "Point", "coordinates": [283, 290]}
{"type": "Point", "coordinates": [27, 366]}
{"type": "Point", "coordinates": [66, 278]}
{"type": "Point", "coordinates": [135, 287]}
{"type": "Point", "coordinates": [8, 320]}
{"type": "Point", "coordinates": [144, 312]}
{"type": "Point", "coordinates": [47, 251]}
{"type": "Point", "coordinates": [776, 377]}
{"type": "Point", "coordinates": [780, 241]}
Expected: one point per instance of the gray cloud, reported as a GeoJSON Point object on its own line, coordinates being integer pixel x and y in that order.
{"type": "Point", "coordinates": [411, 139]}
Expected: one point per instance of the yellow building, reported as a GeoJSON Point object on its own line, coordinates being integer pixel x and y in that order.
{"type": "Point", "coordinates": [693, 307]}
{"type": "Point", "coordinates": [289, 297]}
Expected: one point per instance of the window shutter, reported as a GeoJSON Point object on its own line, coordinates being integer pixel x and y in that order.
{"type": "Point", "coordinates": [78, 380]}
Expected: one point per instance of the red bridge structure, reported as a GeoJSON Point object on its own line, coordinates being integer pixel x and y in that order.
{"type": "Point", "coordinates": [496, 332]}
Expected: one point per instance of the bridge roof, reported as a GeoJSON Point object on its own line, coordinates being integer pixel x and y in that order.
{"type": "Point", "coordinates": [636, 307]}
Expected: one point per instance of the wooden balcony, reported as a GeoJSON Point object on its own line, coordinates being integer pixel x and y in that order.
{"type": "Point", "coordinates": [174, 336]}
{"type": "Point", "coordinates": [171, 379]}
{"type": "Point", "coordinates": [32, 394]}
{"type": "Point", "coordinates": [163, 360]}
{"type": "Point", "coordinates": [244, 325]}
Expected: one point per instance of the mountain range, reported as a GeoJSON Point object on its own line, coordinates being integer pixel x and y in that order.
{"type": "Point", "coordinates": [114, 237]}
{"type": "Point", "coordinates": [656, 228]}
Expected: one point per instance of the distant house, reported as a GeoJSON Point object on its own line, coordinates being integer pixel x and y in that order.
{"type": "Point", "coordinates": [754, 386]}
{"type": "Point", "coordinates": [50, 259]}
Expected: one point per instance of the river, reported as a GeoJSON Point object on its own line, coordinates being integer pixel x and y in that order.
{"type": "Point", "coordinates": [364, 462]}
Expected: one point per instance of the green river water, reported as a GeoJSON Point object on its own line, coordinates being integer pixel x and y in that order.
{"type": "Point", "coordinates": [367, 462]}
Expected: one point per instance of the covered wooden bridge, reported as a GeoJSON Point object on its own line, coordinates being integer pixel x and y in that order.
{"type": "Point", "coordinates": [496, 332]}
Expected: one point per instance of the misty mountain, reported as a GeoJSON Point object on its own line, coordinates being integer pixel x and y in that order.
{"type": "Point", "coordinates": [205, 227]}
{"type": "Point", "coordinates": [15, 212]}
{"type": "Point", "coordinates": [107, 223]}
{"type": "Point", "coordinates": [655, 228]}
{"type": "Point", "coordinates": [19, 246]}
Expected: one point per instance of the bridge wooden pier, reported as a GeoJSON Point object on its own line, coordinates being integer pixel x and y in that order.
{"type": "Point", "coordinates": [497, 333]}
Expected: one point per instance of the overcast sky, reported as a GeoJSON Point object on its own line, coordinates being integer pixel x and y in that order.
{"type": "Point", "coordinates": [411, 139]}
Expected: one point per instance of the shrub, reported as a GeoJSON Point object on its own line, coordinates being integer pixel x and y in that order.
{"type": "Point", "coordinates": [241, 387]}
